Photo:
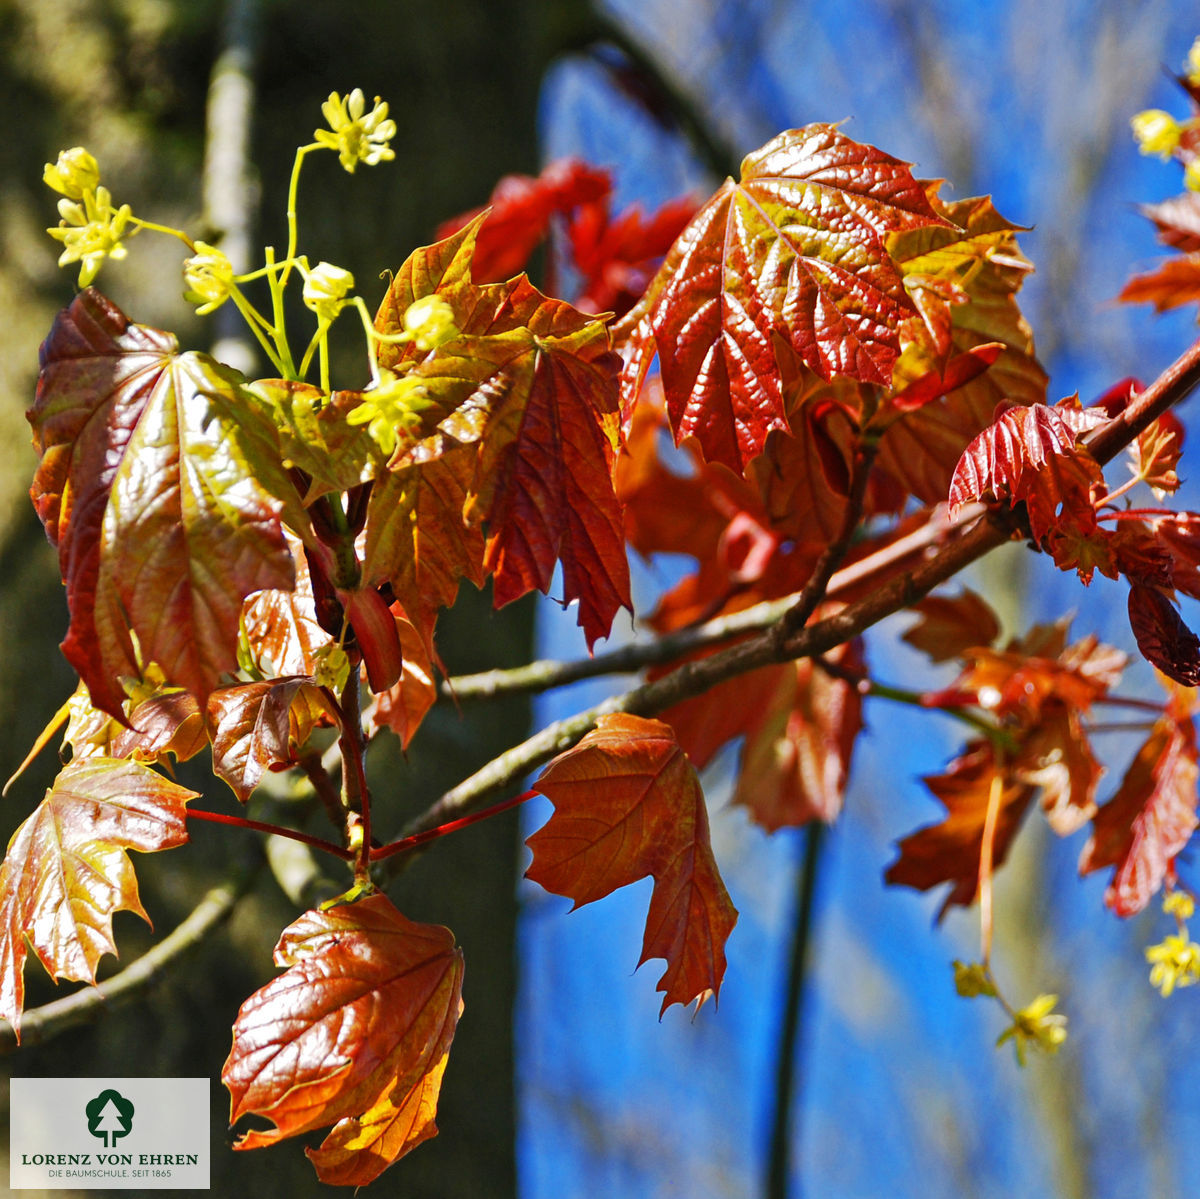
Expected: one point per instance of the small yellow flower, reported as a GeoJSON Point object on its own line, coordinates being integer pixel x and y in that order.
{"type": "Point", "coordinates": [1192, 65]}
{"type": "Point", "coordinates": [1036, 1025]}
{"type": "Point", "coordinates": [971, 979]}
{"type": "Point", "coordinates": [429, 323]}
{"type": "Point", "coordinates": [356, 135]}
{"type": "Point", "coordinates": [1174, 963]}
{"type": "Point", "coordinates": [391, 407]}
{"type": "Point", "coordinates": [1191, 175]}
{"type": "Point", "coordinates": [1179, 903]}
{"type": "Point", "coordinates": [325, 289]}
{"type": "Point", "coordinates": [91, 231]}
{"type": "Point", "coordinates": [75, 173]}
{"type": "Point", "coordinates": [1157, 132]}
{"type": "Point", "coordinates": [209, 278]}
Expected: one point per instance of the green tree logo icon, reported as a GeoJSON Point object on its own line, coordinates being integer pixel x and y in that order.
{"type": "Point", "coordinates": [109, 1116]}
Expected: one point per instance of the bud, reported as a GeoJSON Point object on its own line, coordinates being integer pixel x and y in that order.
{"type": "Point", "coordinates": [209, 278]}
{"type": "Point", "coordinates": [75, 172]}
{"type": "Point", "coordinates": [1157, 132]}
{"type": "Point", "coordinates": [429, 322]}
{"type": "Point", "coordinates": [325, 290]}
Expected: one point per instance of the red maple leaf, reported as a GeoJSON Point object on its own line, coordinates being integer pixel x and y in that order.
{"type": "Point", "coordinates": [628, 804]}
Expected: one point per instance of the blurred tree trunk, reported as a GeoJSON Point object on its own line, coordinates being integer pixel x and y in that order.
{"type": "Point", "coordinates": [129, 81]}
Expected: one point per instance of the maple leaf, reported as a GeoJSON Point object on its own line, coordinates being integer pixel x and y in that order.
{"type": "Point", "coordinates": [283, 635]}
{"type": "Point", "coordinates": [167, 723]}
{"type": "Point", "coordinates": [262, 726]}
{"type": "Point", "coordinates": [949, 852]}
{"type": "Point", "coordinates": [1175, 283]}
{"type": "Point", "coordinates": [1162, 636]}
{"type": "Point", "coordinates": [628, 804]}
{"type": "Point", "coordinates": [355, 1034]}
{"type": "Point", "coordinates": [519, 212]}
{"type": "Point", "coordinates": [67, 869]}
{"type": "Point", "coordinates": [161, 486]}
{"type": "Point", "coordinates": [1030, 454]}
{"type": "Point", "coordinates": [793, 253]}
{"type": "Point", "coordinates": [949, 626]}
{"type": "Point", "coordinates": [1156, 452]}
{"type": "Point", "coordinates": [402, 707]}
{"type": "Point", "coordinates": [1056, 757]}
{"type": "Point", "coordinates": [963, 278]}
{"type": "Point", "coordinates": [1177, 219]}
{"type": "Point", "coordinates": [799, 745]}
{"type": "Point", "coordinates": [530, 383]}
{"type": "Point", "coordinates": [1152, 815]}
{"type": "Point", "coordinates": [417, 540]}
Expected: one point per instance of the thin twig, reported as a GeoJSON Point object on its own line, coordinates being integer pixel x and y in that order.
{"type": "Point", "coordinates": [88, 1004]}
{"type": "Point", "coordinates": [545, 675]}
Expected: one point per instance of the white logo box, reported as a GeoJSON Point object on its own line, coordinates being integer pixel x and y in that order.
{"type": "Point", "coordinates": [88, 1134]}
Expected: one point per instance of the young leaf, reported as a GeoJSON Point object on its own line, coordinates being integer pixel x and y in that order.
{"type": "Point", "coordinates": [1175, 283]}
{"type": "Point", "coordinates": [402, 708]}
{"type": "Point", "coordinates": [355, 1034]}
{"type": "Point", "coordinates": [963, 278]}
{"type": "Point", "coordinates": [160, 486]}
{"type": "Point", "coordinates": [1030, 454]}
{"type": "Point", "coordinates": [1150, 818]}
{"type": "Point", "coordinates": [518, 214]}
{"type": "Point", "coordinates": [417, 540]}
{"type": "Point", "coordinates": [949, 852]}
{"type": "Point", "coordinates": [67, 869]}
{"type": "Point", "coordinates": [794, 251]}
{"type": "Point", "coordinates": [262, 726]}
{"type": "Point", "coordinates": [798, 747]}
{"type": "Point", "coordinates": [951, 625]}
{"type": "Point", "coordinates": [1162, 636]}
{"type": "Point", "coordinates": [627, 804]}
{"type": "Point", "coordinates": [168, 723]}
{"type": "Point", "coordinates": [530, 382]}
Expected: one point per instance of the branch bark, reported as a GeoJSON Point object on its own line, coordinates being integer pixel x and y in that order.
{"type": "Point", "coordinates": [692, 678]}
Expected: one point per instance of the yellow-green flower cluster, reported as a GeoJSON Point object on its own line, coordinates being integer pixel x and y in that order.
{"type": "Point", "coordinates": [356, 135]}
{"type": "Point", "coordinates": [972, 979]}
{"type": "Point", "coordinates": [1175, 961]}
{"type": "Point", "coordinates": [1158, 132]}
{"type": "Point", "coordinates": [1036, 1026]}
{"type": "Point", "coordinates": [393, 406]}
{"type": "Point", "coordinates": [91, 227]}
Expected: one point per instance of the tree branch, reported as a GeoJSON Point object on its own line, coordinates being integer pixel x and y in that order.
{"type": "Point", "coordinates": [89, 1003]}
{"type": "Point", "coordinates": [692, 678]}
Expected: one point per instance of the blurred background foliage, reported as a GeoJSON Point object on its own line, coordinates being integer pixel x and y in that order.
{"type": "Point", "coordinates": [899, 1092]}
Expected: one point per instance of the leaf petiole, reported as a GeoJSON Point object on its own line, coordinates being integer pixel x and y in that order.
{"type": "Point", "coordinates": [278, 830]}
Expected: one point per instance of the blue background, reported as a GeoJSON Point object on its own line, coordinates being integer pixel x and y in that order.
{"type": "Point", "coordinates": [900, 1092]}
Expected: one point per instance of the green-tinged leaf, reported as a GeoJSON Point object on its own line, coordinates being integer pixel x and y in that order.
{"type": "Point", "coordinates": [355, 1033]}
{"type": "Point", "coordinates": [161, 486]}
{"type": "Point", "coordinates": [315, 437]}
{"type": "Point", "coordinates": [67, 869]}
{"type": "Point", "coordinates": [792, 257]}
{"type": "Point", "coordinates": [627, 804]}
{"type": "Point", "coordinates": [531, 383]}
{"type": "Point", "coordinates": [963, 278]}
